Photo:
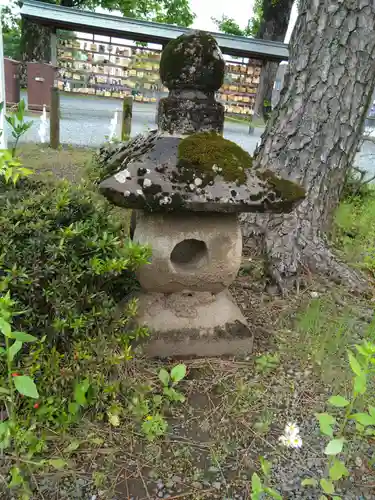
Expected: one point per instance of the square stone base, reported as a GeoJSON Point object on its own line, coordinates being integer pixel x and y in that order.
{"type": "Point", "coordinates": [193, 324]}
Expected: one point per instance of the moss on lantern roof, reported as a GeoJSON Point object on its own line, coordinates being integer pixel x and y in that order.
{"type": "Point", "coordinates": [284, 188]}
{"type": "Point", "coordinates": [212, 154]}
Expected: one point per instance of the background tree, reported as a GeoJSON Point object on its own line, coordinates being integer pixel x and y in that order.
{"type": "Point", "coordinates": [313, 135]}
{"type": "Point", "coordinates": [269, 22]}
{"type": "Point", "coordinates": [231, 27]}
{"type": "Point", "coordinates": [11, 31]}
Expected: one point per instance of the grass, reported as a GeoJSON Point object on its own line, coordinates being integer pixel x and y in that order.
{"type": "Point", "coordinates": [235, 409]}
{"type": "Point", "coordinates": [354, 232]}
{"type": "Point", "coordinates": [255, 122]}
{"type": "Point", "coordinates": [67, 162]}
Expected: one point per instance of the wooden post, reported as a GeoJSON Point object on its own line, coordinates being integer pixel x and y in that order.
{"type": "Point", "coordinates": [54, 48]}
{"type": "Point", "coordinates": [54, 118]}
{"type": "Point", "coordinates": [251, 126]}
{"type": "Point", "coordinates": [127, 113]}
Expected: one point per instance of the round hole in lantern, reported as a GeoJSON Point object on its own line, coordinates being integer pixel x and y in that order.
{"type": "Point", "coordinates": [189, 254]}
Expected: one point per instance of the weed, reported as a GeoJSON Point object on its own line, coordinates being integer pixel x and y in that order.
{"type": "Point", "coordinates": [263, 424]}
{"type": "Point", "coordinates": [170, 380]}
{"type": "Point", "coordinates": [266, 363]}
{"type": "Point", "coordinates": [154, 426]}
{"type": "Point", "coordinates": [354, 231]}
{"type": "Point", "coordinates": [259, 488]}
{"type": "Point", "coordinates": [335, 425]}
{"type": "Point", "coordinates": [14, 383]}
{"type": "Point", "coordinates": [10, 167]}
{"type": "Point", "coordinates": [18, 125]}
{"type": "Point", "coordinates": [325, 332]}
{"type": "Point", "coordinates": [148, 407]}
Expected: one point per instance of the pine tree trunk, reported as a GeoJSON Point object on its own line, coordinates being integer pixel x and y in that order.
{"type": "Point", "coordinates": [313, 135]}
{"type": "Point", "coordinates": [274, 25]}
{"type": "Point", "coordinates": [35, 45]}
{"type": "Point", "coordinates": [265, 87]}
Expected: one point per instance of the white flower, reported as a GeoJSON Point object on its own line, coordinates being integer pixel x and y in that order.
{"type": "Point", "coordinates": [314, 295]}
{"type": "Point", "coordinates": [291, 441]}
{"type": "Point", "coordinates": [284, 440]}
{"type": "Point", "coordinates": [139, 192]}
{"type": "Point", "coordinates": [297, 442]}
{"type": "Point", "coordinates": [147, 183]}
{"type": "Point", "coordinates": [216, 169]}
{"type": "Point", "coordinates": [126, 193]}
{"type": "Point", "coordinates": [291, 437]}
{"type": "Point", "coordinates": [291, 429]}
{"type": "Point", "coordinates": [192, 187]}
{"type": "Point", "coordinates": [198, 181]}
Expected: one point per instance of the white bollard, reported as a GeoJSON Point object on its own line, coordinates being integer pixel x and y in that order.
{"type": "Point", "coordinates": [43, 126]}
{"type": "Point", "coordinates": [113, 127]}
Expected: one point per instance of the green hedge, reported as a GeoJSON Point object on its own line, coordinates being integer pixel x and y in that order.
{"type": "Point", "coordinates": [66, 258]}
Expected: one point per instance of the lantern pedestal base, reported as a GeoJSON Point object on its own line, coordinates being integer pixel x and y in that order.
{"type": "Point", "coordinates": [193, 324]}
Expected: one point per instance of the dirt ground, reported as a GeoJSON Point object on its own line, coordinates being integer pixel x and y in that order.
{"type": "Point", "coordinates": [235, 409]}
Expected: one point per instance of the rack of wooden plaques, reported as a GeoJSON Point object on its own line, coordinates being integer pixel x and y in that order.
{"type": "Point", "coordinates": [111, 69]}
{"type": "Point", "coordinates": [240, 86]}
{"type": "Point", "coordinates": [108, 69]}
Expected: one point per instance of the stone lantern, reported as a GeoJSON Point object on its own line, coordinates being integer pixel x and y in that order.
{"type": "Point", "coordinates": [188, 185]}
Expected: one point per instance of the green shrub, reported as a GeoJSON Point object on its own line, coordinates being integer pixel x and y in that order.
{"type": "Point", "coordinates": [66, 259]}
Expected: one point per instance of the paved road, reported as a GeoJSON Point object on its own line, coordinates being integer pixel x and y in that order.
{"type": "Point", "coordinates": [86, 122]}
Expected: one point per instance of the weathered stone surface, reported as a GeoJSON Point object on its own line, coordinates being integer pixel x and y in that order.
{"type": "Point", "coordinates": [179, 115]}
{"type": "Point", "coordinates": [195, 252]}
{"type": "Point", "coordinates": [193, 324]}
{"type": "Point", "coordinates": [111, 158]}
{"type": "Point", "coordinates": [154, 179]}
{"type": "Point", "coordinates": [192, 61]}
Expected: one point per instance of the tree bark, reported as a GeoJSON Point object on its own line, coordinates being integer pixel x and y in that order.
{"type": "Point", "coordinates": [35, 45]}
{"type": "Point", "coordinates": [274, 25]}
{"type": "Point", "coordinates": [313, 134]}
{"type": "Point", "coordinates": [36, 40]}
{"type": "Point", "coordinates": [265, 87]}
